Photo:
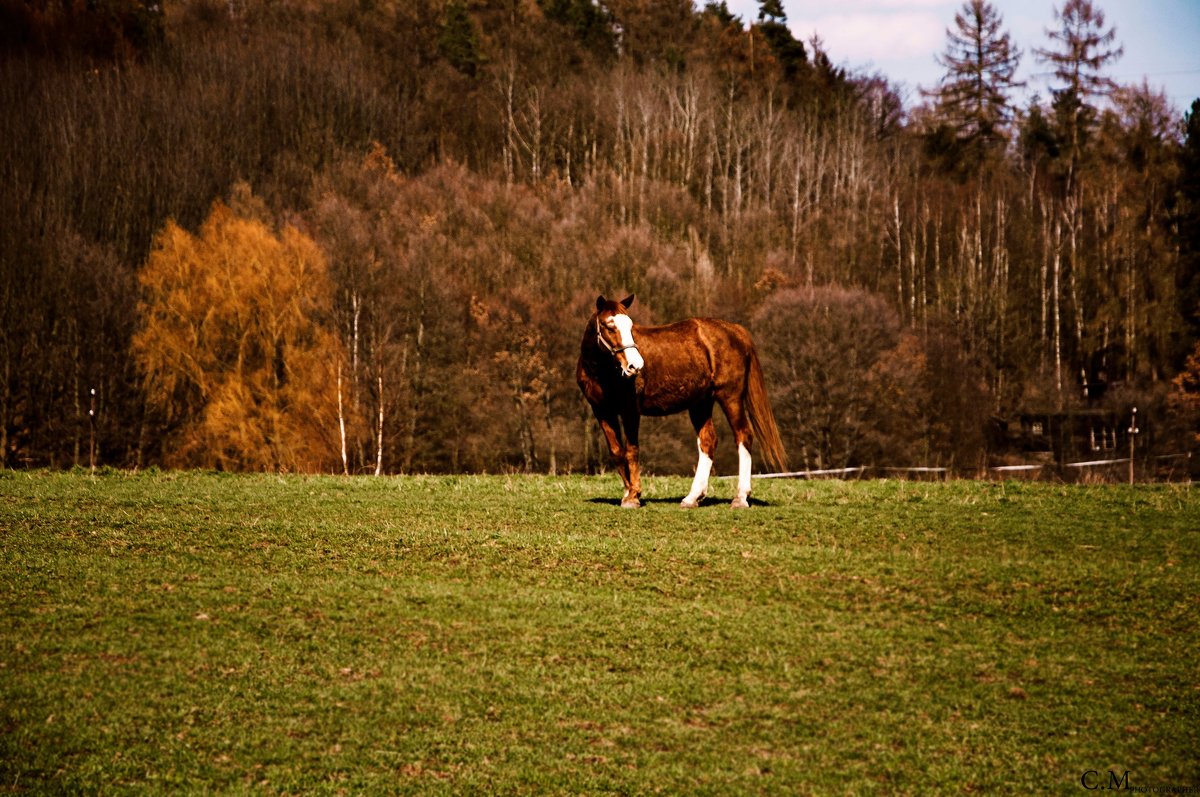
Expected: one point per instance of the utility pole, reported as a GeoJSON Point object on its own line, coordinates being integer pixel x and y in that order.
{"type": "Point", "coordinates": [1133, 430]}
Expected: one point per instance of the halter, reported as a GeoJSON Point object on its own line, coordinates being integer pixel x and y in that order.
{"type": "Point", "coordinates": [612, 350]}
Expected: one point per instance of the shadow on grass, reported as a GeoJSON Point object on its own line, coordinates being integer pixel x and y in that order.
{"type": "Point", "coordinates": [705, 502]}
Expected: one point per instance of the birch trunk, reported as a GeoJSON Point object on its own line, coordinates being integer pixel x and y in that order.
{"type": "Point", "coordinates": [1057, 304]}
{"type": "Point", "coordinates": [342, 420]}
{"type": "Point", "coordinates": [1044, 286]}
{"type": "Point", "coordinates": [379, 429]}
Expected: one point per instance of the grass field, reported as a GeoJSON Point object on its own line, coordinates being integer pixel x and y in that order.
{"type": "Point", "coordinates": [198, 632]}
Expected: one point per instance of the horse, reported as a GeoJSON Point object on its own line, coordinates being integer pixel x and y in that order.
{"type": "Point", "coordinates": [626, 371]}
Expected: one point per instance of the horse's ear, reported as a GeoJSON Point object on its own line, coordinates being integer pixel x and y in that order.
{"type": "Point", "coordinates": [628, 301]}
{"type": "Point", "coordinates": [600, 303]}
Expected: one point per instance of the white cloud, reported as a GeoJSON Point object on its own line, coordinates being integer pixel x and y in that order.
{"type": "Point", "coordinates": [748, 9]}
{"type": "Point", "coordinates": [874, 36]}
{"type": "Point", "coordinates": [877, 6]}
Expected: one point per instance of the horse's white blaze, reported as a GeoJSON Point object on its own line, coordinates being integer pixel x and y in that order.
{"type": "Point", "coordinates": [700, 483]}
{"type": "Point", "coordinates": [743, 471]}
{"type": "Point", "coordinates": [624, 326]}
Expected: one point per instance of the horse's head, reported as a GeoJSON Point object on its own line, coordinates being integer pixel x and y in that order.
{"type": "Point", "coordinates": [614, 333]}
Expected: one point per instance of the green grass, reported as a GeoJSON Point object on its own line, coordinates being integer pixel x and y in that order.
{"type": "Point", "coordinates": [171, 631]}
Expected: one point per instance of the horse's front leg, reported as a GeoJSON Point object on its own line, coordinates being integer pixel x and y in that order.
{"type": "Point", "coordinates": [611, 427]}
{"type": "Point", "coordinates": [633, 490]}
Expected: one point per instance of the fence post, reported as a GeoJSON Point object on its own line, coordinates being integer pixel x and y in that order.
{"type": "Point", "coordinates": [1133, 430]}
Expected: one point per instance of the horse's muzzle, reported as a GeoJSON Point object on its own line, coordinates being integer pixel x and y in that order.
{"type": "Point", "coordinates": [631, 362]}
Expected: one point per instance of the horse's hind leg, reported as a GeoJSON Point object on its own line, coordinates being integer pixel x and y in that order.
{"type": "Point", "coordinates": [706, 442]}
{"type": "Point", "coordinates": [735, 411]}
{"type": "Point", "coordinates": [742, 500]}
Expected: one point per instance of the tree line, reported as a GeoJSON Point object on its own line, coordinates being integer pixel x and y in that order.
{"type": "Point", "coordinates": [363, 237]}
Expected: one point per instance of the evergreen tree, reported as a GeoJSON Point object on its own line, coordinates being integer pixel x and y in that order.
{"type": "Point", "coordinates": [1188, 215]}
{"type": "Point", "coordinates": [591, 23]}
{"type": "Point", "coordinates": [1037, 142]}
{"type": "Point", "coordinates": [788, 51]}
{"type": "Point", "coordinates": [720, 10]}
{"type": "Point", "coordinates": [459, 40]}
{"type": "Point", "coordinates": [771, 10]}
{"type": "Point", "coordinates": [980, 63]}
{"type": "Point", "coordinates": [1080, 49]}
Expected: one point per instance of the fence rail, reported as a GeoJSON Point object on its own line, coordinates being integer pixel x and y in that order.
{"type": "Point", "coordinates": [863, 470]}
{"type": "Point", "coordinates": [1095, 463]}
{"type": "Point", "coordinates": [802, 474]}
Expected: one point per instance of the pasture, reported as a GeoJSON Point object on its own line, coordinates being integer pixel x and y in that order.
{"type": "Point", "coordinates": [168, 631]}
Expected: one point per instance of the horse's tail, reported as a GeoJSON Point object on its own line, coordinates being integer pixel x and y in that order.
{"type": "Point", "coordinates": [762, 420]}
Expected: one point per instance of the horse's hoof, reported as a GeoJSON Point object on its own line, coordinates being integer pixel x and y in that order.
{"type": "Point", "coordinates": [686, 504]}
{"type": "Point", "coordinates": [739, 503]}
{"type": "Point", "coordinates": [630, 503]}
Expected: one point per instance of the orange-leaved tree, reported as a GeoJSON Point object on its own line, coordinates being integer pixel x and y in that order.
{"type": "Point", "coordinates": [236, 347]}
{"type": "Point", "coordinates": [1185, 398]}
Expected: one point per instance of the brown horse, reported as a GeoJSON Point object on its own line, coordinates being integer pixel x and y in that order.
{"type": "Point", "coordinates": [626, 371]}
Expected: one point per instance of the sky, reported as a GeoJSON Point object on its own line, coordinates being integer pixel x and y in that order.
{"type": "Point", "coordinates": [901, 37]}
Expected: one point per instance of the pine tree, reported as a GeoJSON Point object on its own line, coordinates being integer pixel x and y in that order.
{"type": "Point", "coordinates": [1081, 48]}
{"type": "Point", "coordinates": [980, 63]}
{"type": "Point", "coordinates": [591, 23]}
{"type": "Point", "coordinates": [1188, 219]}
{"type": "Point", "coordinates": [772, 10]}
{"type": "Point", "coordinates": [459, 42]}
{"type": "Point", "coordinates": [790, 53]}
{"type": "Point", "coordinates": [720, 10]}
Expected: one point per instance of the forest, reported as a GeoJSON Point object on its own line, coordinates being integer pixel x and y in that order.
{"type": "Point", "coordinates": [365, 237]}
